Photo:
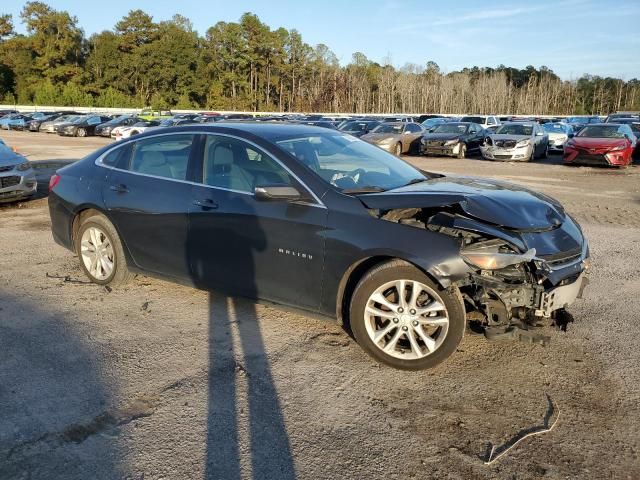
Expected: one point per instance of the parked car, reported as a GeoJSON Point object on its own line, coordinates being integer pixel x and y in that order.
{"type": "Point", "coordinates": [615, 117]}
{"type": "Point", "coordinates": [515, 141]}
{"type": "Point", "coordinates": [578, 122]}
{"type": "Point", "coordinates": [5, 112]}
{"type": "Point", "coordinates": [559, 134]}
{"type": "Point", "coordinates": [17, 178]}
{"type": "Point", "coordinates": [121, 133]}
{"type": "Point", "coordinates": [396, 137]}
{"type": "Point", "coordinates": [358, 128]}
{"type": "Point", "coordinates": [151, 114]}
{"type": "Point", "coordinates": [35, 123]}
{"type": "Point", "coordinates": [83, 126]}
{"type": "Point", "coordinates": [431, 123]}
{"type": "Point", "coordinates": [601, 144]}
{"type": "Point", "coordinates": [323, 222]}
{"type": "Point", "coordinates": [453, 139]}
{"type": "Point", "coordinates": [490, 122]}
{"type": "Point", "coordinates": [13, 118]}
{"type": "Point", "coordinates": [50, 126]}
{"type": "Point", "coordinates": [104, 130]}
{"type": "Point", "coordinates": [18, 122]}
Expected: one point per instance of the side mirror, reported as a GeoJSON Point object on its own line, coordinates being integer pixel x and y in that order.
{"type": "Point", "coordinates": [571, 135]}
{"type": "Point", "coordinates": [270, 193]}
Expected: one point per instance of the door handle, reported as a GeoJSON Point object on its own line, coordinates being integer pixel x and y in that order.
{"type": "Point", "coordinates": [206, 203]}
{"type": "Point", "coordinates": [121, 188]}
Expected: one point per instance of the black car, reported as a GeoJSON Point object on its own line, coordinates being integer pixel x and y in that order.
{"type": "Point", "coordinates": [104, 129]}
{"type": "Point", "coordinates": [453, 139]}
{"type": "Point", "coordinates": [321, 221]}
{"type": "Point", "coordinates": [83, 126]}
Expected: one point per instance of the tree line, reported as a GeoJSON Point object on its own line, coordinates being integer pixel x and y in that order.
{"type": "Point", "coordinates": [246, 65]}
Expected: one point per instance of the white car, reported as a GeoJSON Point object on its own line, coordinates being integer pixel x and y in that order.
{"type": "Point", "coordinates": [489, 122]}
{"type": "Point", "coordinates": [120, 133]}
{"type": "Point", "coordinates": [559, 133]}
{"type": "Point", "coordinates": [17, 178]}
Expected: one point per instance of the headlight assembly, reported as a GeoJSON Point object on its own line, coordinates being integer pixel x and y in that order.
{"type": "Point", "coordinates": [23, 166]}
{"type": "Point", "coordinates": [448, 143]}
{"type": "Point", "coordinates": [523, 143]}
{"type": "Point", "coordinates": [619, 147]}
{"type": "Point", "coordinates": [491, 258]}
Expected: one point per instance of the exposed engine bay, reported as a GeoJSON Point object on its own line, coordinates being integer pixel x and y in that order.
{"type": "Point", "coordinates": [512, 280]}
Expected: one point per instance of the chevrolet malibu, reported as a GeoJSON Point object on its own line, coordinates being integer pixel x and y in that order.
{"type": "Point", "coordinates": [321, 221]}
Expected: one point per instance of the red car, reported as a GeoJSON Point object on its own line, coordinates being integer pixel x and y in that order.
{"type": "Point", "coordinates": [601, 144]}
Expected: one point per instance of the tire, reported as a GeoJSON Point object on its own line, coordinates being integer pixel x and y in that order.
{"type": "Point", "coordinates": [531, 157]}
{"type": "Point", "coordinates": [398, 149]}
{"type": "Point", "coordinates": [135, 132]}
{"type": "Point", "coordinates": [119, 273]}
{"type": "Point", "coordinates": [545, 155]}
{"type": "Point", "coordinates": [81, 132]}
{"type": "Point", "coordinates": [462, 152]}
{"type": "Point", "coordinates": [409, 351]}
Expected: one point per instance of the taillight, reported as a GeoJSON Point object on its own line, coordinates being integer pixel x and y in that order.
{"type": "Point", "coordinates": [55, 179]}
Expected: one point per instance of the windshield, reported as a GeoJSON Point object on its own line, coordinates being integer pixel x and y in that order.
{"type": "Point", "coordinates": [348, 163]}
{"type": "Point", "coordinates": [388, 128]}
{"type": "Point", "coordinates": [452, 128]}
{"type": "Point", "coordinates": [515, 129]}
{"type": "Point", "coordinates": [480, 120]}
{"type": "Point", "coordinates": [167, 123]}
{"type": "Point", "coordinates": [433, 121]}
{"type": "Point", "coordinates": [601, 131]}
{"type": "Point", "coordinates": [555, 128]}
{"type": "Point", "coordinates": [357, 126]}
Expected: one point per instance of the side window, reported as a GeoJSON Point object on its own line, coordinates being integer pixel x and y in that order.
{"type": "Point", "coordinates": [117, 157]}
{"type": "Point", "coordinates": [491, 121]}
{"type": "Point", "coordinates": [412, 128]}
{"type": "Point", "coordinates": [163, 156]}
{"type": "Point", "coordinates": [236, 165]}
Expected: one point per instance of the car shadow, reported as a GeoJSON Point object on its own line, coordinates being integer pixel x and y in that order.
{"type": "Point", "coordinates": [53, 397]}
{"type": "Point", "coordinates": [251, 443]}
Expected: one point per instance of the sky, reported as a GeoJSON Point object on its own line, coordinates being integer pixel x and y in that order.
{"type": "Point", "coordinates": [572, 37]}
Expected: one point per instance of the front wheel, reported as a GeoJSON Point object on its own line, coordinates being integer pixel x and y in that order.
{"type": "Point", "coordinates": [462, 151]}
{"type": "Point", "coordinates": [82, 132]}
{"type": "Point", "coordinates": [398, 149]}
{"type": "Point", "coordinates": [401, 318]}
{"type": "Point", "coordinates": [100, 251]}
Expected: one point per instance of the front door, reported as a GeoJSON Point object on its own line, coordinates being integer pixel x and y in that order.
{"type": "Point", "coordinates": [272, 250]}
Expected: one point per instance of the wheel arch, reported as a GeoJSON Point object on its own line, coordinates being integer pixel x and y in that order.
{"type": "Point", "coordinates": [354, 274]}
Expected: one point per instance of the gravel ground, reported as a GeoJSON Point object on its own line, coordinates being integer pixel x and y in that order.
{"type": "Point", "coordinates": [160, 381]}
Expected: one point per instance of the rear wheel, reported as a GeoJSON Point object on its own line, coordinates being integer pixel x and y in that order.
{"type": "Point", "coordinates": [100, 251]}
{"type": "Point", "coordinates": [400, 317]}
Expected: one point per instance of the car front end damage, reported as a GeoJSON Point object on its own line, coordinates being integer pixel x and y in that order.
{"type": "Point", "coordinates": [445, 147]}
{"type": "Point", "coordinates": [17, 182]}
{"type": "Point", "coordinates": [507, 149]}
{"type": "Point", "coordinates": [514, 276]}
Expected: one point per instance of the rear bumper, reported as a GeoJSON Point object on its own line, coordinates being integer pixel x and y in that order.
{"type": "Point", "coordinates": [61, 221]}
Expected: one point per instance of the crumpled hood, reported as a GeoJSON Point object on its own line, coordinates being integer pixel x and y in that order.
{"type": "Point", "coordinates": [498, 203]}
{"type": "Point", "coordinates": [504, 136]}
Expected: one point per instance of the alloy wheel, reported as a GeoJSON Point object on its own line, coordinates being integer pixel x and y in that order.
{"type": "Point", "coordinates": [97, 253]}
{"type": "Point", "coordinates": [406, 319]}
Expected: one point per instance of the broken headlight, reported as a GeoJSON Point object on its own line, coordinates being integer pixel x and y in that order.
{"type": "Point", "coordinates": [494, 255]}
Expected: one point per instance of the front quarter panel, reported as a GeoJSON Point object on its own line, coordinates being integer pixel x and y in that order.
{"type": "Point", "coordinates": [353, 235]}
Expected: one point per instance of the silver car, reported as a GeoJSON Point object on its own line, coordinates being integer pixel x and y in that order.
{"type": "Point", "coordinates": [17, 178]}
{"type": "Point", "coordinates": [516, 141]}
{"type": "Point", "coordinates": [50, 126]}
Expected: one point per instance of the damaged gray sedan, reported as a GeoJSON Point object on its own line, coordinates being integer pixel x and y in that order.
{"type": "Point", "coordinates": [516, 141]}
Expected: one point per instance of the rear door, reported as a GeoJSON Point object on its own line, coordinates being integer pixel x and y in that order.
{"type": "Point", "coordinates": [148, 198]}
{"type": "Point", "coordinates": [272, 250]}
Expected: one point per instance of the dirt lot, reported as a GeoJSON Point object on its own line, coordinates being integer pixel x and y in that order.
{"type": "Point", "coordinates": [159, 381]}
